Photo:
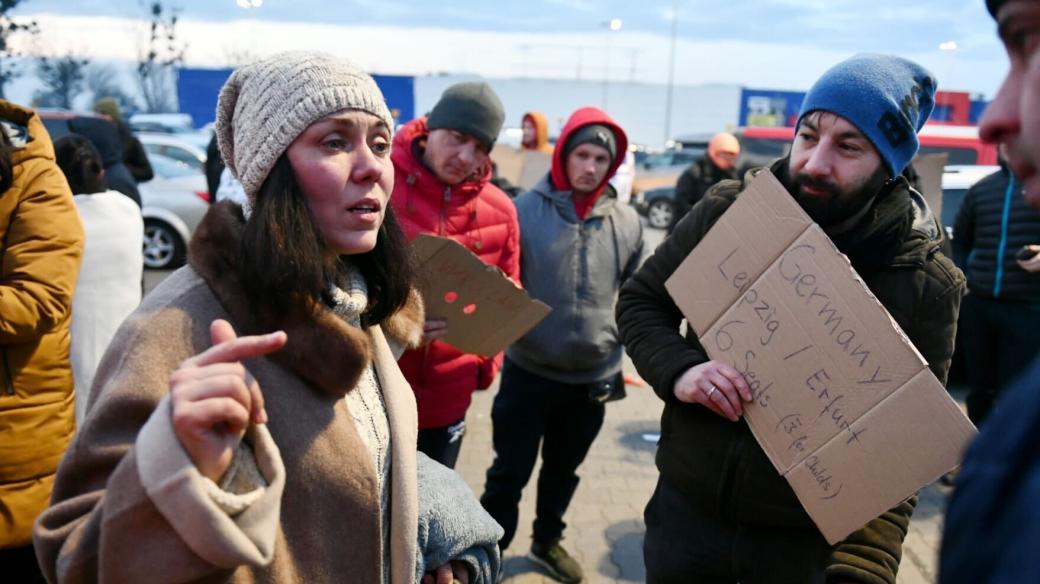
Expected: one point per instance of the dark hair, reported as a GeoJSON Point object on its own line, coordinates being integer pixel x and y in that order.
{"type": "Point", "coordinates": [6, 166]}
{"type": "Point", "coordinates": [81, 163]}
{"type": "Point", "coordinates": [287, 264]}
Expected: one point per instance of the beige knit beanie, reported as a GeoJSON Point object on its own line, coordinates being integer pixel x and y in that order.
{"type": "Point", "coordinates": [265, 105]}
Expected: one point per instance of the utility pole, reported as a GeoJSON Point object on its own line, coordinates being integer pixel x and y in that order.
{"type": "Point", "coordinates": [613, 25]}
{"type": "Point", "coordinates": [671, 75]}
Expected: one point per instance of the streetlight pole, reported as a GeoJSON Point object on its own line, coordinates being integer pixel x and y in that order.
{"type": "Point", "coordinates": [671, 75]}
{"type": "Point", "coordinates": [613, 25]}
{"type": "Point", "coordinates": [950, 48]}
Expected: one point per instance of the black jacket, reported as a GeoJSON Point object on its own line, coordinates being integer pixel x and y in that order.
{"type": "Point", "coordinates": [134, 156]}
{"type": "Point", "coordinates": [717, 463]}
{"type": "Point", "coordinates": [695, 181]}
{"type": "Point", "coordinates": [214, 167]}
{"type": "Point", "coordinates": [993, 223]}
{"type": "Point", "coordinates": [104, 135]}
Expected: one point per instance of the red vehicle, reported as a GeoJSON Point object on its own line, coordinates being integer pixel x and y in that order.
{"type": "Point", "coordinates": [760, 146]}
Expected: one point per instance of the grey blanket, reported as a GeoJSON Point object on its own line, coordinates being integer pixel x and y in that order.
{"type": "Point", "coordinates": [453, 525]}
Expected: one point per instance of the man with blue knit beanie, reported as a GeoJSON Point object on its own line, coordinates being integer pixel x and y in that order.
{"type": "Point", "coordinates": [721, 513]}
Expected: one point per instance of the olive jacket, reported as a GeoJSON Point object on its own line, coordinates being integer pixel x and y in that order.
{"type": "Point", "coordinates": [717, 463]}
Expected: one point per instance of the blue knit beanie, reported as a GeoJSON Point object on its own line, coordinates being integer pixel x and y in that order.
{"type": "Point", "coordinates": [888, 98]}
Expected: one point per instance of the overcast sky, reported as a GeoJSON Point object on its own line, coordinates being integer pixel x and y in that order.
{"type": "Point", "coordinates": [783, 44]}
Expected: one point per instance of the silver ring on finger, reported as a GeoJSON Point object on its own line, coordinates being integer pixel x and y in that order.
{"type": "Point", "coordinates": [712, 391]}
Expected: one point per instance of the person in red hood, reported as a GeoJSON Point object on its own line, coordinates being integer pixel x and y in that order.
{"type": "Point", "coordinates": [442, 187]}
{"type": "Point", "coordinates": [578, 245]}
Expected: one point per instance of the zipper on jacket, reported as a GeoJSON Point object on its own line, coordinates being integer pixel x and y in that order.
{"type": "Point", "coordinates": [583, 272]}
{"type": "Point", "coordinates": [7, 373]}
{"type": "Point", "coordinates": [444, 212]}
{"type": "Point", "coordinates": [1002, 246]}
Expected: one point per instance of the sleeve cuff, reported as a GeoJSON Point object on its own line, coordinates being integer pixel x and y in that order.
{"type": "Point", "coordinates": [223, 528]}
{"type": "Point", "coordinates": [241, 486]}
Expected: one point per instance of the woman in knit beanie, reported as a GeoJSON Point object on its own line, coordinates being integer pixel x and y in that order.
{"type": "Point", "coordinates": [249, 421]}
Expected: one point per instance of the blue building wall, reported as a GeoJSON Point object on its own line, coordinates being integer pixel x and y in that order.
{"type": "Point", "coordinates": [766, 107]}
{"type": "Point", "coordinates": [197, 91]}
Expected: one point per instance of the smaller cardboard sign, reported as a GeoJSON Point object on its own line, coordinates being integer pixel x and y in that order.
{"type": "Point", "coordinates": [929, 169]}
{"type": "Point", "coordinates": [521, 167]}
{"type": "Point", "coordinates": [844, 405]}
{"type": "Point", "coordinates": [485, 310]}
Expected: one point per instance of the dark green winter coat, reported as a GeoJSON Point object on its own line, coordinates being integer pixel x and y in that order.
{"type": "Point", "coordinates": [717, 463]}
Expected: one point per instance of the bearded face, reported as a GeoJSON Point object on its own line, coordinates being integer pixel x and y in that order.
{"type": "Point", "coordinates": [828, 203]}
{"type": "Point", "coordinates": [835, 170]}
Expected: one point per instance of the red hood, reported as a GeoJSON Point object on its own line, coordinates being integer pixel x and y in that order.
{"type": "Point", "coordinates": [412, 169]}
{"type": "Point", "coordinates": [584, 117]}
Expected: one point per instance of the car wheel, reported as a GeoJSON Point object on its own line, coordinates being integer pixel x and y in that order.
{"type": "Point", "coordinates": [660, 214]}
{"type": "Point", "coordinates": [163, 247]}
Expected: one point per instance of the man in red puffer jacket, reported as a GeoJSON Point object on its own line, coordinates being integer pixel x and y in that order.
{"type": "Point", "coordinates": [442, 187]}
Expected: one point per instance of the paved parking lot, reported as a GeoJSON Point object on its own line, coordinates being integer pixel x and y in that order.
{"type": "Point", "coordinates": [605, 521]}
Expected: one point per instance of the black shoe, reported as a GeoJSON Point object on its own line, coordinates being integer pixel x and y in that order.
{"type": "Point", "coordinates": [557, 561]}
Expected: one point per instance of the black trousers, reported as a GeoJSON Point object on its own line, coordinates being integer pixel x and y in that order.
{"type": "Point", "coordinates": [529, 411]}
{"type": "Point", "coordinates": [443, 444]}
{"type": "Point", "coordinates": [20, 565]}
{"type": "Point", "coordinates": [686, 543]}
{"type": "Point", "coordinates": [999, 338]}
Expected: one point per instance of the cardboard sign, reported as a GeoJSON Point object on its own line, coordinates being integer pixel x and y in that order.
{"type": "Point", "coordinates": [844, 405]}
{"type": "Point", "coordinates": [485, 310]}
{"type": "Point", "coordinates": [523, 168]}
{"type": "Point", "coordinates": [929, 169]}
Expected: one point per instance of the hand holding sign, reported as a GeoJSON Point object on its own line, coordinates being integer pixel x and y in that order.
{"type": "Point", "coordinates": [434, 329]}
{"type": "Point", "coordinates": [214, 398]}
{"type": "Point", "coordinates": [716, 386]}
{"type": "Point", "coordinates": [844, 406]}
{"type": "Point", "coordinates": [483, 311]}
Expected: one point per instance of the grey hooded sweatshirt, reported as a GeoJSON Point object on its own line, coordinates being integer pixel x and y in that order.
{"type": "Point", "coordinates": [576, 267]}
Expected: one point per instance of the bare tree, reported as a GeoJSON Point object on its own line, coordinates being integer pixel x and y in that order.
{"type": "Point", "coordinates": [103, 81]}
{"type": "Point", "coordinates": [10, 28]}
{"type": "Point", "coordinates": [62, 79]}
{"type": "Point", "coordinates": [156, 69]}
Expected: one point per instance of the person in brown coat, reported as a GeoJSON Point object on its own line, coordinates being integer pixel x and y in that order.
{"type": "Point", "coordinates": [42, 243]}
{"type": "Point", "coordinates": [249, 422]}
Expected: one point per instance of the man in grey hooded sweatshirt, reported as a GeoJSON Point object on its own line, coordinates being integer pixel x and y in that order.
{"type": "Point", "coordinates": [578, 245]}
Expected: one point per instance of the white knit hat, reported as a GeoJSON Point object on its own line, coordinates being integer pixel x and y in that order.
{"type": "Point", "coordinates": [265, 105]}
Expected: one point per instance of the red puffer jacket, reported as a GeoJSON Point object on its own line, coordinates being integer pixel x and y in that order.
{"type": "Point", "coordinates": [478, 215]}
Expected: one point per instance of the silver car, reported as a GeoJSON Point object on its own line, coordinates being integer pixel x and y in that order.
{"type": "Point", "coordinates": [173, 147]}
{"type": "Point", "coordinates": [173, 204]}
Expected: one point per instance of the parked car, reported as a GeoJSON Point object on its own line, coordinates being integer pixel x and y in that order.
{"type": "Point", "coordinates": [956, 181]}
{"type": "Point", "coordinates": [176, 124]}
{"type": "Point", "coordinates": [662, 169]}
{"type": "Point", "coordinates": [174, 203]}
{"type": "Point", "coordinates": [171, 146]}
{"type": "Point", "coordinates": [624, 178]}
{"type": "Point", "coordinates": [657, 205]}
{"type": "Point", "coordinates": [57, 121]}
{"type": "Point", "coordinates": [760, 146]}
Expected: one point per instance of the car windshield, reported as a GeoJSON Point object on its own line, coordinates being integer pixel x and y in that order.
{"type": "Point", "coordinates": [959, 156]}
{"type": "Point", "coordinates": [764, 147]}
{"type": "Point", "coordinates": [167, 167]}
